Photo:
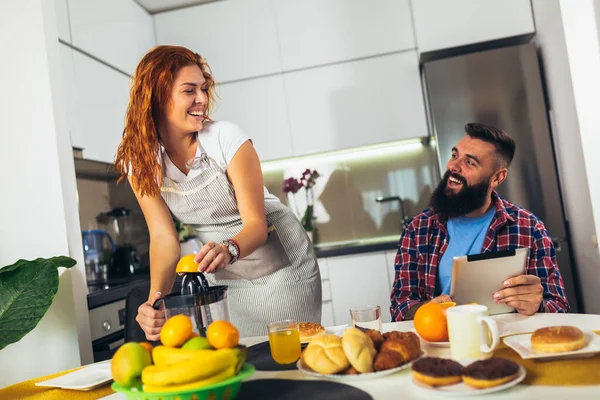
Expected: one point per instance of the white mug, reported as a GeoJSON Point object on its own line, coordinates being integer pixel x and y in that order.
{"type": "Point", "coordinates": [468, 334]}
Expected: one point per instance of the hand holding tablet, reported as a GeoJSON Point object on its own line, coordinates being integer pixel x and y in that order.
{"type": "Point", "coordinates": [477, 278]}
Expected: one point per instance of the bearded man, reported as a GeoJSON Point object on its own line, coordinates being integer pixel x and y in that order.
{"type": "Point", "coordinates": [467, 216]}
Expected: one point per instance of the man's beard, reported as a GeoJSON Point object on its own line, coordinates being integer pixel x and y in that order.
{"type": "Point", "coordinates": [467, 200]}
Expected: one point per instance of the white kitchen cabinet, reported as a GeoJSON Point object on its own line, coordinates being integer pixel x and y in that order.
{"type": "Point", "coordinates": [258, 106]}
{"type": "Point", "coordinates": [327, 317]}
{"type": "Point", "coordinates": [390, 258]}
{"type": "Point", "coordinates": [356, 103]}
{"type": "Point", "coordinates": [442, 24]}
{"type": "Point", "coordinates": [323, 268]}
{"type": "Point", "coordinates": [356, 280]}
{"type": "Point", "coordinates": [118, 32]}
{"type": "Point", "coordinates": [316, 32]}
{"type": "Point", "coordinates": [62, 20]}
{"type": "Point", "coordinates": [237, 37]}
{"type": "Point", "coordinates": [101, 101]}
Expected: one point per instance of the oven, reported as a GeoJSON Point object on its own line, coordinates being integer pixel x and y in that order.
{"type": "Point", "coordinates": [107, 312]}
{"type": "Point", "coordinates": [107, 326]}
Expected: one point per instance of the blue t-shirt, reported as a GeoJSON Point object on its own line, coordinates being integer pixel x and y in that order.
{"type": "Point", "coordinates": [465, 237]}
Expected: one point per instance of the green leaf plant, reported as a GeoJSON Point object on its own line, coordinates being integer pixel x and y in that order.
{"type": "Point", "coordinates": [27, 289]}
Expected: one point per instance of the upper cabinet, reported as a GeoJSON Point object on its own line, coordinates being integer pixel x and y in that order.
{"type": "Point", "coordinates": [237, 38]}
{"type": "Point", "coordinates": [356, 103]}
{"type": "Point", "coordinates": [258, 106]}
{"type": "Point", "coordinates": [118, 32]}
{"type": "Point", "coordinates": [442, 24]}
{"type": "Point", "coordinates": [62, 20]}
{"type": "Point", "coordinates": [316, 32]}
{"type": "Point", "coordinates": [101, 99]}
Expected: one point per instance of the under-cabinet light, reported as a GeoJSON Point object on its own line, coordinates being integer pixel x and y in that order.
{"type": "Point", "coordinates": [378, 150]}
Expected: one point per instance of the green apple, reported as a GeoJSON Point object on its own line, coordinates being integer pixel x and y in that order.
{"type": "Point", "coordinates": [196, 343]}
{"type": "Point", "coordinates": [128, 362]}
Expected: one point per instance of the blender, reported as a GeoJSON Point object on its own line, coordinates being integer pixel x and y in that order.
{"type": "Point", "coordinates": [98, 251]}
{"type": "Point", "coordinates": [199, 301]}
{"type": "Point", "coordinates": [119, 224]}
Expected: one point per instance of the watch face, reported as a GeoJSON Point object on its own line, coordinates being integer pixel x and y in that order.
{"type": "Point", "coordinates": [233, 249]}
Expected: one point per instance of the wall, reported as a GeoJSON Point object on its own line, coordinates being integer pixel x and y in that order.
{"type": "Point", "coordinates": [583, 54]}
{"type": "Point", "coordinates": [39, 207]}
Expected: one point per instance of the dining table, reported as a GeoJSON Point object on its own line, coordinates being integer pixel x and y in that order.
{"type": "Point", "coordinates": [400, 385]}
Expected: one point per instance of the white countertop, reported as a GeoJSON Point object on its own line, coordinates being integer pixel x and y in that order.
{"type": "Point", "coordinates": [388, 387]}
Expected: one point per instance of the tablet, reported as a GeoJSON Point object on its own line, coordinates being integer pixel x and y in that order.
{"type": "Point", "coordinates": [477, 277]}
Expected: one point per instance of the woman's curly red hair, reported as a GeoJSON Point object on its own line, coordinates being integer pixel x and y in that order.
{"type": "Point", "coordinates": [149, 96]}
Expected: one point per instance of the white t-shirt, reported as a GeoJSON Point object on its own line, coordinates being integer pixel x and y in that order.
{"type": "Point", "coordinates": [221, 140]}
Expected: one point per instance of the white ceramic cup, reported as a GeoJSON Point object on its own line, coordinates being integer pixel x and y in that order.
{"type": "Point", "coordinates": [469, 329]}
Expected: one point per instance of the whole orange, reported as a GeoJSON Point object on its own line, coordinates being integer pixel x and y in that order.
{"type": "Point", "coordinates": [187, 264]}
{"type": "Point", "coordinates": [430, 322]}
{"type": "Point", "coordinates": [176, 331]}
{"type": "Point", "coordinates": [147, 346]}
{"type": "Point", "coordinates": [222, 335]}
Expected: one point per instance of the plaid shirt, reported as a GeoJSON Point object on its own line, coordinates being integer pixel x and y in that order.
{"type": "Point", "coordinates": [425, 240]}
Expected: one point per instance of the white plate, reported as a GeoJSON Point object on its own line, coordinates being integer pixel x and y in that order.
{"type": "Point", "coordinates": [522, 345]}
{"type": "Point", "coordinates": [337, 330]}
{"type": "Point", "coordinates": [462, 389]}
{"type": "Point", "coordinates": [86, 378]}
{"type": "Point", "coordinates": [359, 377]}
{"type": "Point", "coordinates": [435, 344]}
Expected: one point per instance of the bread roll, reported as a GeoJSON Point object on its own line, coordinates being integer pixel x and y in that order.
{"type": "Point", "coordinates": [310, 330]}
{"type": "Point", "coordinates": [557, 339]}
{"type": "Point", "coordinates": [359, 350]}
{"type": "Point", "coordinates": [325, 355]}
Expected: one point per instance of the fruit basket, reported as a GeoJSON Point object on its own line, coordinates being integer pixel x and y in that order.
{"type": "Point", "coordinates": [225, 390]}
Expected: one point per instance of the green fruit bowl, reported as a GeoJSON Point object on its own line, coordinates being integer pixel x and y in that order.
{"type": "Point", "coordinates": [226, 390]}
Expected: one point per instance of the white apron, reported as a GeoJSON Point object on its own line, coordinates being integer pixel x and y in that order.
{"type": "Point", "coordinates": [280, 280]}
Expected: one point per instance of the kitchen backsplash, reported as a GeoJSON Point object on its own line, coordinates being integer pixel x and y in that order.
{"type": "Point", "coordinates": [345, 193]}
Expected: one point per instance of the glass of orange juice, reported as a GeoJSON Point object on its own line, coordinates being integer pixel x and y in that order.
{"type": "Point", "coordinates": [284, 340]}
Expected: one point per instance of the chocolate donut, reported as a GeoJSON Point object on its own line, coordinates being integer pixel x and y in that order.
{"type": "Point", "coordinates": [491, 372]}
{"type": "Point", "coordinates": [436, 371]}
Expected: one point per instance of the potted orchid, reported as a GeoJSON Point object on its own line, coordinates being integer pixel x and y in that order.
{"type": "Point", "coordinates": [291, 186]}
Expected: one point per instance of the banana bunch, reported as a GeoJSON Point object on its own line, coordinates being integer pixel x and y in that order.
{"type": "Point", "coordinates": [184, 361]}
{"type": "Point", "coordinates": [177, 369]}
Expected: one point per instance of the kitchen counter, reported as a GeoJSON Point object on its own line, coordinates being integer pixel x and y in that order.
{"type": "Point", "coordinates": [99, 295]}
{"type": "Point", "coordinates": [334, 249]}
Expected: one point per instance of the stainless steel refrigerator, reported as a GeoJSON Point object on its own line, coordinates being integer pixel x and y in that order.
{"type": "Point", "coordinates": [503, 88]}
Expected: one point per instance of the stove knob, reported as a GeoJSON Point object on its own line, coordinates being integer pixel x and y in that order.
{"type": "Point", "coordinates": [106, 326]}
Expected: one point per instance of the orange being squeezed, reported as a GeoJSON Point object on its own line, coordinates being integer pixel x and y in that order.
{"type": "Point", "coordinates": [285, 346]}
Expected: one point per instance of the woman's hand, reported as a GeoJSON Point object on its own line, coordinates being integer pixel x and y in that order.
{"type": "Point", "coordinates": [212, 257]}
{"type": "Point", "coordinates": [151, 320]}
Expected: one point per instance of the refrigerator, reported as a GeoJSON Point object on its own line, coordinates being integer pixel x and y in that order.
{"type": "Point", "coordinates": [503, 88]}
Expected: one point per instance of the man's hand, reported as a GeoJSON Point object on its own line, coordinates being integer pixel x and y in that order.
{"type": "Point", "coordinates": [444, 298]}
{"type": "Point", "coordinates": [523, 292]}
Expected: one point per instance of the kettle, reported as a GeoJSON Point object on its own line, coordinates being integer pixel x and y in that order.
{"type": "Point", "coordinates": [98, 251]}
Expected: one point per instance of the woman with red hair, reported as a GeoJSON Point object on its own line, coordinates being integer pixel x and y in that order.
{"type": "Point", "coordinates": [208, 175]}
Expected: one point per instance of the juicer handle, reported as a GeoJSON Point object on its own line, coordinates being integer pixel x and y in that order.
{"type": "Point", "coordinates": [157, 303]}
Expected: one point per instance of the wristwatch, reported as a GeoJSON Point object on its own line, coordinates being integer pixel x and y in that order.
{"type": "Point", "coordinates": [233, 249]}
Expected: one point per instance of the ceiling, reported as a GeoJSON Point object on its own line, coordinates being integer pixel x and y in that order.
{"type": "Point", "coordinates": [156, 6]}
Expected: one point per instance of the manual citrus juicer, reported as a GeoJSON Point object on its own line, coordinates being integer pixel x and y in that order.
{"type": "Point", "coordinates": [196, 299]}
